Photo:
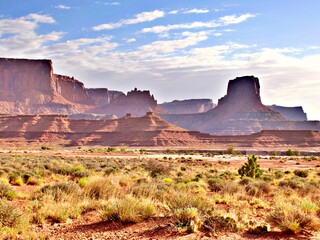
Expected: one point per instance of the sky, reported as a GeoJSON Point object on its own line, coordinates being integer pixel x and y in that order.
{"type": "Point", "coordinates": [177, 49]}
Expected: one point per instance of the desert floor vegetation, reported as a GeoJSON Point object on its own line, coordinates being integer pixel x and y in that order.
{"type": "Point", "coordinates": [196, 196]}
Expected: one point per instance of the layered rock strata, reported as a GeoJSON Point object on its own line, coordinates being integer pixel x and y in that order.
{"type": "Point", "coordinates": [187, 106]}
{"type": "Point", "coordinates": [149, 130]}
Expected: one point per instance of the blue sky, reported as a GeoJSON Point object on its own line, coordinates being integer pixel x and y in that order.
{"type": "Point", "coordinates": [177, 49]}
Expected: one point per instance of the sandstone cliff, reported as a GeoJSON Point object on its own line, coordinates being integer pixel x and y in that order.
{"type": "Point", "coordinates": [290, 113]}
{"type": "Point", "coordinates": [103, 96]}
{"type": "Point", "coordinates": [187, 106]}
{"type": "Point", "coordinates": [72, 90]}
{"type": "Point", "coordinates": [136, 102]}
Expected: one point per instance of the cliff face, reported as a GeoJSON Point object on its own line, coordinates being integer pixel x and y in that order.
{"type": "Point", "coordinates": [187, 106]}
{"type": "Point", "coordinates": [103, 96]}
{"type": "Point", "coordinates": [290, 113]}
{"type": "Point", "coordinates": [72, 90]}
{"type": "Point", "coordinates": [27, 81]}
{"type": "Point", "coordinates": [136, 102]}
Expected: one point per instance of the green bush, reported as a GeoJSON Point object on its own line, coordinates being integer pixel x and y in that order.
{"type": "Point", "coordinates": [301, 173]}
{"type": "Point", "coordinates": [251, 168]}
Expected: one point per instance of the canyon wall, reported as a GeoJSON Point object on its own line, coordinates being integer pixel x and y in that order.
{"type": "Point", "coordinates": [27, 81]}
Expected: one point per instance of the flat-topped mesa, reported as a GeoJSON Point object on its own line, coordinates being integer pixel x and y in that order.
{"type": "Point", "coordinates": [187, 106]}
{"type": "Point", "coordinates": [290, 113]}
{"type": "Point", "coordinates": [103, 96]}
{"type": "Point", "coordinates": [72, 90]}
{"type": "Point", "coordinates": [242, 91]}
{"type": "Point", "coordinates": [243, 101]}
{"type": "Point", "coordinates": [28, 81]}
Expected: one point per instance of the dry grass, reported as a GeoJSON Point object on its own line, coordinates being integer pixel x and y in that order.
{"type": "Point", "coordinates": [201, 196]}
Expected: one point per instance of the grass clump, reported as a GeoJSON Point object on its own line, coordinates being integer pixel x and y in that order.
{"type": "Point", "coordinates": [9, 216]}
{"type": "Point", "coordinates": [128, 209]}
{"type": "Point", "coordinates": [292, 218]}
{"type": "Point", "coordinates": [188, 218]}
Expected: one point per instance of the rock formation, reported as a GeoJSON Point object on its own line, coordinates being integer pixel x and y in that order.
{"type": "Point", "coordinates": [290, 113]}
{"type": "Point", "coordinates": [187, 106]}
{"type": "Point", "coordinates": [148, 130]}
{"type": "Point", "coordinates": [103, 96]}
{"type": "Point", "coordinates": [136, 102]}
{"type": "Point", "coordinates": [72, 90]}
{"type": "Point", "coordinates": [239, 112]}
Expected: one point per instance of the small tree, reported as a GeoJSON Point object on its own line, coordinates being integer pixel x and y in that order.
{"type": "Point", "coordinates": [251, 168]}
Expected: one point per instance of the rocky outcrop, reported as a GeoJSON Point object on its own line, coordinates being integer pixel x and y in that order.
{"type": "Point", "coordinates": [239, 112]}
{"type": "Point", "coordinates": [103, 96]}
{"type": "Point", "coordinates": [136, 102]}
{"type": "Point", "coordinates": [290, 113]}
{"type": "Point", "coordinates": [187, 106]}
{"type": "Point", "coordinates": [72, 90]}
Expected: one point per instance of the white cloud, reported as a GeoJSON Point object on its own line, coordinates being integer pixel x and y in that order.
{"type": "Point", "coordinates": [61, 6]}
{"type": "Point", "coordinates": [38, 18]}
{"type": "Point", "coordinates": [234, 19]}
{"type": "Point", "coordinates": [139, 18]}
{"type": "Point", "coordinates": [195, 10]}
{"type": "Point", "coordinates": [160, 47]}
{"type": "Point", "coordinates": [173, 12]}
{"type": "Point", "coordinates": [223, 21]}
{"type": "Point", "coordinates": [130, 40]}
{"type": "Point", "coordinates": [112, 3]}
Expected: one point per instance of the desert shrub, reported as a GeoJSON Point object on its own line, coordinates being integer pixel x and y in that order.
{"type": "Point", "coordinates": [128, 209]}
{"type": "Point", "coordinates": [157, 168]}
{"type": "Point", "coordinates": [258, 188]}
{"type": "Point", "coordinates": [301, 173]}
{"type": "Point", "coordinates": [9, 216]}
{"type": "Point", "coordinates": [83, 181]}
{"type": "Point", "coordinates": [231, 187]}
{"type": "Point", "coordinates": [245, 180]}
{"type": "Point", "coordinates": [56, 211]}
{"type": "Point", "coordinates": [7, 192]}
{"type": "Point", "coordinates": [220, 223]}
{"type": "Point", "coordinates": [216, 184]}
{"type": "Point", "coordinates": [289, 152]}
{"type": "Point", "coordinates": [100, 188]}
{"type": "Point", "coordinates": [45, 148]}
{"type": "Point", "coordinates": [230, 150]}
{"type": "Point", "coordinates": [144, 190]}
{"type": "Point", "coordinates": [278, 174]}
{"type": "Point", "coordinates": [187, 199]}
{"type": "Point", "coordinates": [59, 191]}
{"type": "Point", "coordinates": [188, 218]}
{"type": "Point", "coordinates": [292, 218]}
{"type": "Point", "coordinates": [251, 168]}
{"type": "Point", "coordinates": [294, 183]}
{"type": "Point", "coordinates": [111, 149]}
